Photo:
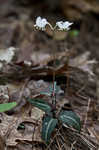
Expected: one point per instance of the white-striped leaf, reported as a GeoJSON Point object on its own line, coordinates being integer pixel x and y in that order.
{"type": "Point", "coordinates": [41, 104]}
{"type": "Point", "coordinates": [48, 127]}
{"type": "Point", "coordinates": [49, 91]}
{"type": "Point", "coordinates": [71, 119]}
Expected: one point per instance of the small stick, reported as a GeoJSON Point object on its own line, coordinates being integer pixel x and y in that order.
{"type": "Point", "coordinates": [86, 116]}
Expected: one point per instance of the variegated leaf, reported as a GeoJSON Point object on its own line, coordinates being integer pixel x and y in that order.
{"type": "Point", "coordinates": [41, 104]}
{"type": "Point", "coordinates": [48, 127]}
{"type": "Point", "coordinates": [71, 119]}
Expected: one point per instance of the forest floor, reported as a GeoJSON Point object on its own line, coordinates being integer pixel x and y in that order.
{"type": "Point", "coordinates": [31, 72]}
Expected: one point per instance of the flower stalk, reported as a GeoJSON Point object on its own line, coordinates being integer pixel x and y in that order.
{"type": "Point", "coordinates": [41, 24]}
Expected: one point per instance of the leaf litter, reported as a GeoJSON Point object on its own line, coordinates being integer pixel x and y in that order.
{"type": "Point", "coordinates": [27, 81]}
{"type": "Point", "coordinates": [20, 93]}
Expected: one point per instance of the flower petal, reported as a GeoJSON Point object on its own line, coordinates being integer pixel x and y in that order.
{"type": "Point", "coordinates": [41, 23]}
{"type": "Point", "coordinates": [63, 25]}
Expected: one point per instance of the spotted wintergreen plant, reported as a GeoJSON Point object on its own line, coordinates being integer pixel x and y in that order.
{"type": "Point", "coordinates": [45, 106]}
{"type": "Point", "coordinates": [51, 120]}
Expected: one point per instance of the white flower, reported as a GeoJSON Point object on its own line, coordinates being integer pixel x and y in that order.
{"type": "Point", "coordinates": [41, 23]}
{"type": "Point", "coordinates": [63, 25]}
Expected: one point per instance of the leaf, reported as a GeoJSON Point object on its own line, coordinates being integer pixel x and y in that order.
{"type": "Point", "coordinates": [7, 106]}
{"type": "Point", "coordinates": [74, 33]}
{"type": "Point", "coordinates": [41, 104]}
{"type": "Point", "coordinates": [21, 126]}
{"type": "Point", "coordinates": [51, 89]}
{"type": "Point", "coordinates": [56, 88]}
{"type": "Point", "coordinates": [46, 93]}
{"type": "Point", "coordinates": [48, 126]}
{"type": "Point", "coordinates": [71, 119]}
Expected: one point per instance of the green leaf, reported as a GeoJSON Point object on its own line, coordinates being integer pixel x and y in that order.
{"type": "Point", "coordinates": [56, 88]}
{"type": "Point", "coordinates": [51, 89]}
{"type": "Point", "coordinates": [41, 104]}
{"type": "Point", "coordinates": [74, 33]}
{"type": "Point", "coordinates": [46, 93]}
{"type": "Point", "coordinates": [21, 126]}
{"type": "Point", "coordinates": [7, 106]}
{"type": "Point", "coordinates": [48, 126]}
{"type": "Point", "coordinates": [71, 119]}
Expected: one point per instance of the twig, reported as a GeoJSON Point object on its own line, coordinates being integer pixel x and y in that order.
{"type": "Point", "coordinates": [86, 116]}
{"type": "Point", "coordinates": [72, 145]}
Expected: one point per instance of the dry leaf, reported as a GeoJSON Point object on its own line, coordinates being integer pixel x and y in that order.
{"type": "Point", "coordinates": [83, 63]}
{"type": "Point", "coordinates": [9, 125]}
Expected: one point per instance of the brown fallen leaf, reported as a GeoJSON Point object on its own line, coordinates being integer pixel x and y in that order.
{"type": "Point", "coordinates": [9, 126]}
{"type": "Point", "coordinates": [82, 62]}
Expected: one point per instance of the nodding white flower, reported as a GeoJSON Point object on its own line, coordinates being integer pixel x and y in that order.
{"type": "Point", "coordinates": [41, 23]}
{"type": "Point", "coordinates": [63, 25]}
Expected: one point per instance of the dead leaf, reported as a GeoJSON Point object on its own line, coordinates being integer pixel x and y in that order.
{"type": "Point", "coordinates": [9, 130]}
{"type": "Point", "coordinates": [83, 63]}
